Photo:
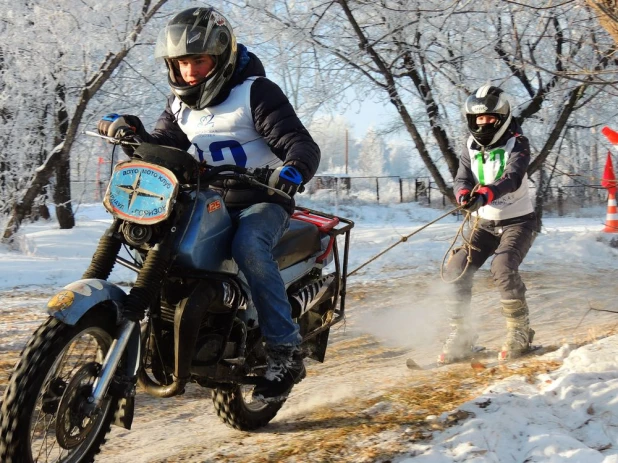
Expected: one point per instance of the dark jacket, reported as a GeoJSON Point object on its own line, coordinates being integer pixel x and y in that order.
{"type": "Point", "coordinates": [275, 120]}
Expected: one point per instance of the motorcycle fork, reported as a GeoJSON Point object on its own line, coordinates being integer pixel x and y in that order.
{"type": "Point", "coordinates": [111, 362]}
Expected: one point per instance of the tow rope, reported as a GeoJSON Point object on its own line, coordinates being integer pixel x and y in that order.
{"type": "Point", "coordinates": [403, 240]}
{"type": "Point", "coordinates": [466, 242]}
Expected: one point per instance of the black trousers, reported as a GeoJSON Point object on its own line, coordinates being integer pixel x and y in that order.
{"type": "Point", "coordinates": [509, 240]}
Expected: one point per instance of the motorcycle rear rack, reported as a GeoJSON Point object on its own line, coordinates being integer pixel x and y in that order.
{"type": "Point", "coordinates": [330, 225]}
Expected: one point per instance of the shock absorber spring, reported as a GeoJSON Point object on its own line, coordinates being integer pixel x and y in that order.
{"type": "Point", "coordinates": [104, 257]}
{"type": "Point", "coordinates": [148, 282]}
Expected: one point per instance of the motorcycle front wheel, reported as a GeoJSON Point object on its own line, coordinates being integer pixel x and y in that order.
{"type": "Point", "coordinates": [45, 415]}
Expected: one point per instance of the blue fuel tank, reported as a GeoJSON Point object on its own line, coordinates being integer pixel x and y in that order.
{"type": "Point", "coordinates": [204, 236]}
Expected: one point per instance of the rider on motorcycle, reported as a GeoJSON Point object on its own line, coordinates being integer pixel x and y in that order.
{"type": "Point", "coordinates": [223, 105]}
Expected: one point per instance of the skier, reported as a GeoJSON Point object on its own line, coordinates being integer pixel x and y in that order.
{"type": "Point", "coordinates": [224, 107]}
{"type": "Point", "coordinates": [492, 183]}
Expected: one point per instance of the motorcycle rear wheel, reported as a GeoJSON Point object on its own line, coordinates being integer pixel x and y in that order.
{"type": "Point", "coordinates": [43, 416]}
{"type": "Point", "coordinates": [236, 408]}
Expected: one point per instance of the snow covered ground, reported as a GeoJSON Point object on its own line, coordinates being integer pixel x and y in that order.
{"type": "Point", "coordinates": [559, 407]}
{"type": "Point", "coordinates": [570, 414]}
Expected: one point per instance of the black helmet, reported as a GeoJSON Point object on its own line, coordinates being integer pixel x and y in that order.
{"type": "Point", "coordinates": [198, 31]}
{"type": "Point", "coordinates": [492, 101]}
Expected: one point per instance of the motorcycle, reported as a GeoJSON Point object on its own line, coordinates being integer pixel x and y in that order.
{"type": "Point", "coordinates": [188, 317]}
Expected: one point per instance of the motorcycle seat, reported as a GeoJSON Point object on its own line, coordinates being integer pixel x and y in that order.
{"type": "Point", "coordinates": [299, 242]}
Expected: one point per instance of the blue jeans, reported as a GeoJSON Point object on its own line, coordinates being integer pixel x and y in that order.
{"type": "Point", "coordinates": [258, 229]}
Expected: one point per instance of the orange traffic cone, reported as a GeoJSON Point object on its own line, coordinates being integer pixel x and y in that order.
{"type": "Point", "coordinates": [611, 135]}
{"type": "Point", "coordinates": [611, 222]}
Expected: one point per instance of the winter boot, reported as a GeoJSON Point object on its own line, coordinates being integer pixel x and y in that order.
{"type": "Point", "coordinates": [285, 369]}
{"type": "Point", "coordinates": [519, 335]}
{"type": "Point", "coordinates": [460, 342]}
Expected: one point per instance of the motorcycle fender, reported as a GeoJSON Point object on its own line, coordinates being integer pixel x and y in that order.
{"type": "Point", "coordinates": [77, 298]}
{"type": "Point", "coordinates": [123, 414]}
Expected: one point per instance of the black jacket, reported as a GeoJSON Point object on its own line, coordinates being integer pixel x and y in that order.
{"type": "Point", "coordinates": [275, 120]}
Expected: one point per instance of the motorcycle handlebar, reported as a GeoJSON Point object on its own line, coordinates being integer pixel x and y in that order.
{"type": "Point", "coordinates": [133, 141]}
{"type": "Point", "coordinates": [209, 172]}
{"type": "Point", "coordinates": [256, 177]}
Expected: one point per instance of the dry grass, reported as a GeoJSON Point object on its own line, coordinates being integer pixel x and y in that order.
{"type": "Point", "coordinates": [355, 432]}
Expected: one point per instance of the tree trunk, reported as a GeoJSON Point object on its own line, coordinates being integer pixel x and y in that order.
{"type": "Point", "coordinates": [62, 191]}
{"type": "Point", "coordinates": [43, 212]}
{"type": "Point", "coordinates": [62, 194]}
{"type": "Point", "coordinates": [39, 182]}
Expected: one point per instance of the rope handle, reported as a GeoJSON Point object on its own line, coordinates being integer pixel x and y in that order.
{"type": "Point", "coordinates": [467, 243]}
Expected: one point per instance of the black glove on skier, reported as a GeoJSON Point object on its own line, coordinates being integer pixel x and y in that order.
{"type": "Point", "coordinates": [287, 179]}
{"type": "Point", "coordinates": [476, 201]}
{"type": "Point", "coordinates": [463, 196]}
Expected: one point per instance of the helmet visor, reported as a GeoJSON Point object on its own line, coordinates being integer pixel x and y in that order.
{"type": "Point", "coordinates": [181, 40]}
{"type": "Point", "coordinates": [490, 104]}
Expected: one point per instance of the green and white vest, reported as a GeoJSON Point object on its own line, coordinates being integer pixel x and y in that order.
{"type": "Point", "coordinates": [487, 169]}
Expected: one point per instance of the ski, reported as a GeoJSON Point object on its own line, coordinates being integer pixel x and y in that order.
{"type": "Point", "coordinates": [536, 349]}
{"type": "Point", "coordinates": [482, 358]}
{"type": "Point", "coordinates": [476, 352]}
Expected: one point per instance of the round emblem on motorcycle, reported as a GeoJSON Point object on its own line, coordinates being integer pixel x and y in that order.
{"type": "Point", "coordinates": [62, 300]}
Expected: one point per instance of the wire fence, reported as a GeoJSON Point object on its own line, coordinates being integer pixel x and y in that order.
{"type": "Point", "coordinates": [382, 189]}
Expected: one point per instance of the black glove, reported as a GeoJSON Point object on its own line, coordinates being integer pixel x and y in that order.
{"type": "Point", "coordinates": [285, 178]}
{"type": "Point", "coordinates": [476, 201]}
{"type": "Point", "coordinates": [121, 127]}
{"type": "Point", "coordinates": [117, 126]}
{"type": "Point", "coordinates": [262, 174]}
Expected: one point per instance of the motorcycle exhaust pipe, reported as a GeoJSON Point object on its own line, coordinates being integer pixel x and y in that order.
{"type": "Point", "coordinates": [313, 294]}
{"type": "Point", "coordinates": [188, 322]}
{"type": "Point", "coordinates": [176, 388]}
{"type": "Point", "coordinates": [206, 297]}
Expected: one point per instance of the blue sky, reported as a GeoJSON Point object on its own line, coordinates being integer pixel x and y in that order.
{"type": "Point", "coordinates": [368, 114]}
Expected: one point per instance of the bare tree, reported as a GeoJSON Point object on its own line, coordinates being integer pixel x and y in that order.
{"type": "Point", "coordinates": [425, 57]}
{"type": "Point", "coordinates": [67, 122]}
